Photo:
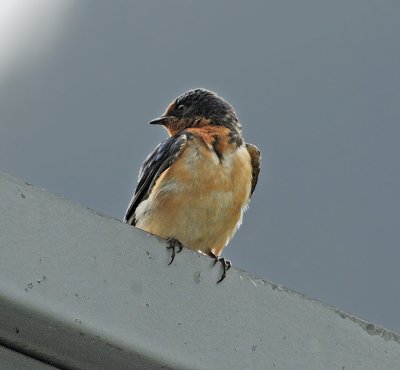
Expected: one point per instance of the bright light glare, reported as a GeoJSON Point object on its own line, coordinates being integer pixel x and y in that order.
{"type": "Point", "coordinates": [28, 30]}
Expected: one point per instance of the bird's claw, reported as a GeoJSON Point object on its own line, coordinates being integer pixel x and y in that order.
{"type": "Point", "coordinates": [173, 244]}
{"type": "Point", "coordinates": [226, 265]}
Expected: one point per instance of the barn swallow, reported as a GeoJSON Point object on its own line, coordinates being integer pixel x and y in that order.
{"type": "Point", "coordinates": [194, 187]}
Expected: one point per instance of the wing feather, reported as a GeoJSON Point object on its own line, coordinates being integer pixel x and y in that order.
{"type": "Point", "coordinates": [255, 156]}
{"type": "Point", "coordinates": [163, 156]}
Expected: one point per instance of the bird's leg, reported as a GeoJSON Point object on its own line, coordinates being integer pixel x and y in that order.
{"type": "Point", "coordinates": [172, 244]}
{"type": "Point", "coordinates": [226, 265]}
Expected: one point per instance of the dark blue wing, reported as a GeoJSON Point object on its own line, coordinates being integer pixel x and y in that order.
{"type": "Point", "coordinates": [163, 156]}
{"type": "Point", "coordinates": [255, 156]}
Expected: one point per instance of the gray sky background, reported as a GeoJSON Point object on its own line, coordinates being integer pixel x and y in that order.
{"type": "Point", "coordinates": [316, 85]}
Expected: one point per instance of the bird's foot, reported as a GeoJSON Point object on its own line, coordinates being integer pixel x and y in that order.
{"type": "Point", "coordinates": [173, 244]}
{"type": "Point", "coordinates": [226, 265]}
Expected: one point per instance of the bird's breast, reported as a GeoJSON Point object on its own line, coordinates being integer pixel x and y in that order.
{"type": "Point", "coordinates": [200, 198]}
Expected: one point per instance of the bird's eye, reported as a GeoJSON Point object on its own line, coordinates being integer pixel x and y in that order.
{"type": "Point", "coordinates": [181, 107]}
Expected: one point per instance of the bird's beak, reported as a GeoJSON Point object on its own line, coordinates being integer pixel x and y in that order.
{"type": "Point", "coordinates": [159, 121]}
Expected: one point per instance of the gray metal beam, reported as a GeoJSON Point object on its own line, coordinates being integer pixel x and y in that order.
{"type": "Point", "coordinates": [79, 290]}
{"type": "Point", "coordinates": [13, 360]}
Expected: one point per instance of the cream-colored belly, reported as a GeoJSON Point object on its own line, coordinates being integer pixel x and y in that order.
{"type": "Point", "coordinates": [199, 200]}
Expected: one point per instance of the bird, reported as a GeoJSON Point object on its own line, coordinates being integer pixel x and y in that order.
{"type": "Point", "coordinates": [195, 186]}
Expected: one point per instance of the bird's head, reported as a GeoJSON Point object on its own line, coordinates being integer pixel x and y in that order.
{"type": "Point", "coordinates": [198, 108]}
